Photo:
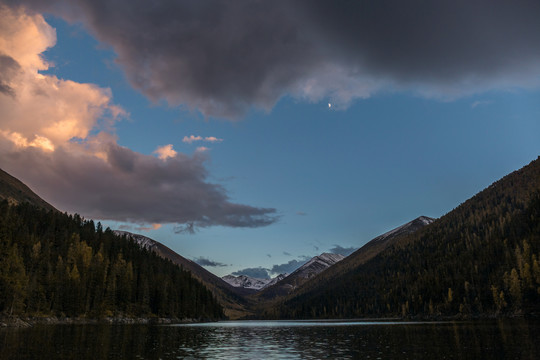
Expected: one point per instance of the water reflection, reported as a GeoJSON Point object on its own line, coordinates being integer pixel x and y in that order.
{"type": "Point", "coordinates": [277, 340]}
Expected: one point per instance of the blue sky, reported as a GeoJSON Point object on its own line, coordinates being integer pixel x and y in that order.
{"type": "Point", "coordinates": [332, 176]}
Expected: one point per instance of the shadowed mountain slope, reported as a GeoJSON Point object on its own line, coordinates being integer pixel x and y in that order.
{"type": "Point", "coordinates": [231, 298]}
{"type": "Point", "coordinates": [15, 192]}
{"type": "Point", "coordinates": [480, 259]}
{"type": "Point", "coordinates": [296, 283]}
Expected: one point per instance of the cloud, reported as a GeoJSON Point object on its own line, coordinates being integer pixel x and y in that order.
{"type": "Point", "coordinates": [202, 149]}
{"type": "Point", "coordinates": [165, 152]}
{"type": "Point", "coordinates": [341, 250]}
{"type": "Point", "coordinates": [207, 262]}
{"type": "Point", "coordinates": [56, 135]}
{"type": "Point", "coordinates": [212, 139]}
{"type": "Point", "coordinates": [192, 138]}
{"type": "Point", "coordinates": [148, 228]}
{"type": "Point", "coordinates": [223, 57]}
{"type": "Point", "coordinates": [10, 68]}
{"type": "Point", "coordinates": [258, 273]}
{"type": "Point", "coordinates": [289, 267]}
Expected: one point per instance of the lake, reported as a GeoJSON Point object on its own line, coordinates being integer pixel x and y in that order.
{"type": "Point", "coordinates": [503, 339]}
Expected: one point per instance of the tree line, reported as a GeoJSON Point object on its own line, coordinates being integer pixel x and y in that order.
{"type": "Point", "coordinates": [63, 265]}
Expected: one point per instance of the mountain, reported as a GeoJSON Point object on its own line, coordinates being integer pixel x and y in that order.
{"type": "Point", "coordinates": [246, 282]}
{"type": "Point", "coordinates": [55, 264]}
{"type": "Point", "coordinates": [250, 283]}
{"type": "Point", "coordinates": [405, 229]}
{"type": "Point", "coordinates": [360, 256]}
{"type": "Point", "coordinates": [376, 246]}
{"type": "Point", "coordinates": [232, 298]}
{"type": "Point", "coordinates": [480, 259]}
{"type": "Point", "coordinates": [15, 192]}
{"type": "Point", "coordinates": [275, 280]}
{"type": "Point", "coordinates": [314, 266]}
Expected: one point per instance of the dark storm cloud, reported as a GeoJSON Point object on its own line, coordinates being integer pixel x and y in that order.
{"type": "Point", "coordinates": [258, 273]}
{"type": "Point", "coordinates": [342, 251]}
{"type": "Point", "coordinates": [222, 57]}
{"type": "Point", "coordinates": [131, 187]}
{"type": "Point", "coordinates": [207, 262]}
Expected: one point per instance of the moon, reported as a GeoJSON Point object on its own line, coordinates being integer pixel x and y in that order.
{"type": "Point", "coordinates": [329, 105]}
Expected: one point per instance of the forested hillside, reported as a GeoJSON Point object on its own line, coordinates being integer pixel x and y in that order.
{"type": "Point", "coordinates": [481, 258]}
{"type": "Point", "coordinates": [58, 264]}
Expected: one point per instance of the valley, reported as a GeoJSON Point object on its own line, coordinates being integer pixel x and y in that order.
{"type": "Point", "coordinates": [480, 259]}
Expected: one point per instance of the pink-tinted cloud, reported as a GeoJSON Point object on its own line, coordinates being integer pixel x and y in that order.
{"type": "Point", "coordinates": [212, 139]}
{"type": "Point", "coordinates": [54, 137]}
{"type": "Point", "coordinates": [202, 149]}
{"type": "Point", "coordinates": [165, 152]}
{"type": "Point", "coordinates": [148, 228]}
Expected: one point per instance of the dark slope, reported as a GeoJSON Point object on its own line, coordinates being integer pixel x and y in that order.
{"type": "Point", "coordinates": [482, 258]}
{"type": "Point", "coordinates": [15, 192]}
{"type": "Point", "coordinates": [292, 285]}
{"type": "Point", "coordinates": [230, 297]}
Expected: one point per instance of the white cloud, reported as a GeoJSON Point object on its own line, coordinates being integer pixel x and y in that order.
{"type": "Point", "coordinates": [192, 138]}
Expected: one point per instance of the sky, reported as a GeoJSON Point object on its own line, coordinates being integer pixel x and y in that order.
{"type": "Point", "coordinates": [250, 136]}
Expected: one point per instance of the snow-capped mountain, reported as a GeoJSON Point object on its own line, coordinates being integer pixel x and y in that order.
{"type": "Point", "coordinates": [316, 265]}
{"type": "Point", "coordinates": [408, 228]}
{"type": "Point", "coordinates": [246, 282]}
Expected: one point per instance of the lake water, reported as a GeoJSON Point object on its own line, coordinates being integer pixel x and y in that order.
{"type": "Point", "coordinates": [508, 339]}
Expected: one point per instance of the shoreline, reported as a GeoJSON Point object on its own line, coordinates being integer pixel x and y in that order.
{"type": "Point", "coordinates": [30, 321]}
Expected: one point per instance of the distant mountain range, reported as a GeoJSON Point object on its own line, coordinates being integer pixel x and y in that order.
{"type": "Point", "coordinates": [285, 283]}
{"type": "Point", "coordinates": [246, 282]}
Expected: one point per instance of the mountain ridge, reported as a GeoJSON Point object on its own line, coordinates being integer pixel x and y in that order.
{"type": "Point", "coordinates": [15, 191]}
{"type": "Point", "coordinates": [311, 268]}
{"type": "Point", "coordinates": [232, 298]}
